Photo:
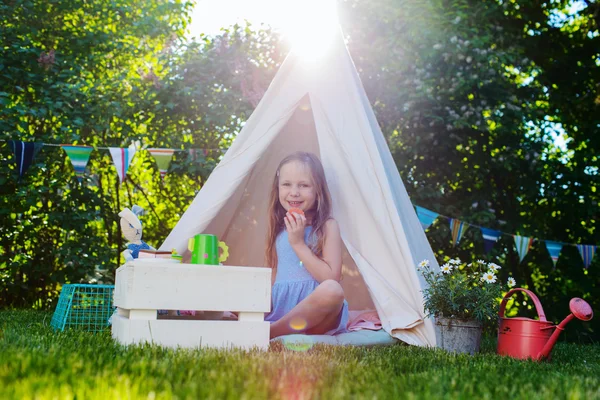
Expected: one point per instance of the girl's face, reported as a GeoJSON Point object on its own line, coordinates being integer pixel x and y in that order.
{"type": "Point", "coordinates": [296, 187]}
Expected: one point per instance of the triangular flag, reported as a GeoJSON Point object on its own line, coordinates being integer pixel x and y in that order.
{"type": "Point", "coordinates": [122, 159]}
{"type": "Point", "coordinates": [24, 154]}
{"type": "Point", "coordinates": [163, 159]}
{"type": "Point", "coordinates": [79, 156]}
{"type": "Point", "coordinates": [195, 155]}
{"type": "Point", "coordinates": [523, 245]}
{"type": "Point", "coordinates": [458, 228]}
{"type": "Point", "coordinates": [426, 217]}
{"type": "Point", "coordinates": [587, 252]}
{"type": "Point", "coordinates": [490, 237]}
{"type": "Point", "coordinates": [554, 249]}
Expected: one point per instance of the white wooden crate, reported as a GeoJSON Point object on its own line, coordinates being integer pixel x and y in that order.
{"type": "Point", "coordinates": [142, 288]}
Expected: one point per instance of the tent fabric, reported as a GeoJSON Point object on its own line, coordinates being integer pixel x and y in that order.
{"type": "Point", "coordinates": [323, 108]}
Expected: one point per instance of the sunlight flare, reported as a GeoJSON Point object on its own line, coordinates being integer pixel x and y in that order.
{"type": "Point", "coordinates": [309, 27]}
{"type": "Point", "coordinates": [298, 323]}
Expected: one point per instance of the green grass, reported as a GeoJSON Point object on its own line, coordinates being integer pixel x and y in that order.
{"type": "Point", "coordinates": [37, 362]}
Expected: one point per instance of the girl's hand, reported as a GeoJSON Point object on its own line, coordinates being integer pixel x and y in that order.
{"type": "Point", "coordinates": [295, 228]}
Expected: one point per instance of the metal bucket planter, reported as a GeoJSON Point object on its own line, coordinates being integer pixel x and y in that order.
{"type": "Point", "coordinates": [458, 335]}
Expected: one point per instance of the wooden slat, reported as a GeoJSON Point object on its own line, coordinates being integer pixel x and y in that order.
{"type": "Point", "coordinates": [250, 316]}
{"type": "Point", "coordinates": [191, 334]}
{"type": "Point", "coordinates": [167, 286]}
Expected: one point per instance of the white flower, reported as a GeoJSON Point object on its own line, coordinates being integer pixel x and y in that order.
{"type": "Point", "coordinates": [494, 267]}
{"type": "Point", "coordinates": [481, 261]}
{"type": "Point", "coordinates": [511, 282]}
{"type": "Point", "coordinates": [455, 261]}
{"type": "Point", "coordinates": [424, 263]}
{"type": "Point", "coordinates": [489, 277]}
{"type": "Point", "coordinates": [446, 268]}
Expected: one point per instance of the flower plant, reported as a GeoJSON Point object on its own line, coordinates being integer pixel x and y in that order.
{"type": "Point", "coordinates": [464, 291]}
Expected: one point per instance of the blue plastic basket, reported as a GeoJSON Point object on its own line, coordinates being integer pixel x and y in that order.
{"type": "Point", "coordinates": [86, 307]}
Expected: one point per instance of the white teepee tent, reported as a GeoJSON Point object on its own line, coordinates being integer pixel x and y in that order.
{"type": "Point", "coordinates": [322, 108]}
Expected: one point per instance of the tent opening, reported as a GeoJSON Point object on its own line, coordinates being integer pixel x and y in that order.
{"type": "Point", "coordinates": [242, 220]}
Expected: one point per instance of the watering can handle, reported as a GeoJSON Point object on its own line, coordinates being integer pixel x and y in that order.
{"type": "Point", "coordinates": [536, 301]}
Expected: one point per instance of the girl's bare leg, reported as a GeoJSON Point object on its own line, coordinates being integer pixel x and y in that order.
{"type": "Point", "coordinates": [318, 312]}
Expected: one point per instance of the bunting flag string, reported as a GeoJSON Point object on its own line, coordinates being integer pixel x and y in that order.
{"type": "Point", "coordinates": [163, 160]}
{"type": "Point", "coordinates": [122, 159]}
{"type": "Point", "coordinates": [523, 244]}
{"type": "Point", "coordinates": [193, 154]}
{"type": "Point", "coordinates": [206, 151]}
{"type": "Point", "coordinates": [24, 152]}
{"type": "Point", "coordinates": [426, 217]}
{"type": "Point", "coordinates": [554, 249]}
{"type": "Point", "coordinates": [490, 237]}
{"type": "Point", "coordinates": [79, 156]}
{"type": "Point", "coordinates": [587, 253]}
{"type": "Point", "coordinates": [458, 228]}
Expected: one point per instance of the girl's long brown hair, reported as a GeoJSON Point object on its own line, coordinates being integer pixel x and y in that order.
{"type": "Point", "coordinates": [322, 207]}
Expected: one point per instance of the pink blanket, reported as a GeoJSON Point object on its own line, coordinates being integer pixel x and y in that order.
{"type": "Point", "coordinates": [226, 314]}
{"type": "Point", "coordinates": [359, 320]}
{"type": "Point", "coordinates": [366, 319]}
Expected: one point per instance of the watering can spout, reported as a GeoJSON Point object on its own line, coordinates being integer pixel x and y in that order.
{"type": "Point", "coordinates": [580, 309]}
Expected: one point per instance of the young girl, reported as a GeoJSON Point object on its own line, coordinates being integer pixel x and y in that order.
{"type": "Point", "coordinates": [304, 249]}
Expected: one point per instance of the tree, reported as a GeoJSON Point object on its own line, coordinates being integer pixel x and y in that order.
{"type": "Point", "coordinates": [66, 72]}
{"type": "Point", "coordinates": [111, 75]}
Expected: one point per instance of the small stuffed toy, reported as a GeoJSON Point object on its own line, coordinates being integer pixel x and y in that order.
{"type": "Point", "coordinates": [132, 231]}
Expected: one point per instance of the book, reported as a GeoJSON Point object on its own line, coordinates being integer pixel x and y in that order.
{"type": "Point", "coordinates": [154, 254]}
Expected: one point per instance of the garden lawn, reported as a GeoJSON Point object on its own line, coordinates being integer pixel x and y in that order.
{"type": "Point", "coordinates": [37, 362]}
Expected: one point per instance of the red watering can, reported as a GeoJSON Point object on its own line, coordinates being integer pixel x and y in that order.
{"type": "Point", "coordinates": [521, 337]}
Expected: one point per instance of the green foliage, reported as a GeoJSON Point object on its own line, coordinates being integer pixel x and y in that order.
{"type": "Point", "coordinates": [36, 362]}
{"type": "Point", "coordinates": [464, 291]}
{"type": "Point", "coordinates": [66, 73]}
